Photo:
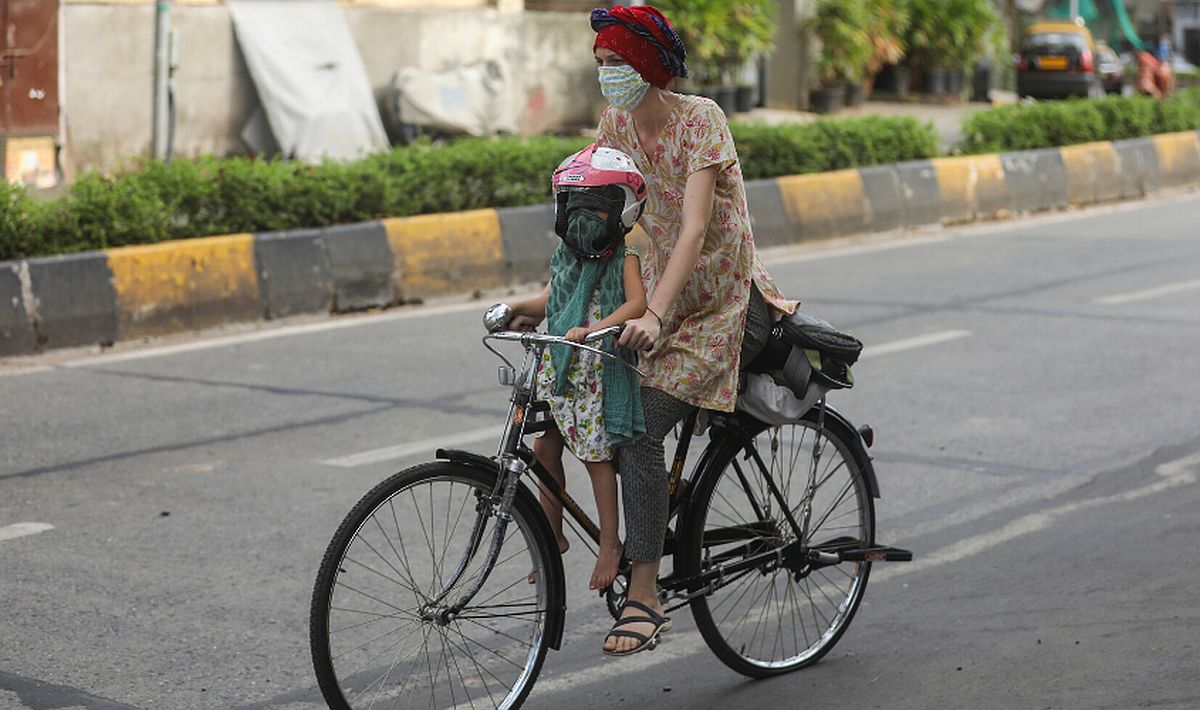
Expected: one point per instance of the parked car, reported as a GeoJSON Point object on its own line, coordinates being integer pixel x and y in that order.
{"type": "Point", "coordinates": [1111, 69]}
{"type": "Point", "coordinates": [1058, 60]}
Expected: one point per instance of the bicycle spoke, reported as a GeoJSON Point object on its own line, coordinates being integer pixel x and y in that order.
{"type": "Point", "coordinates": [411, 580]}
{"type": "Point", "coordinates": [386, 650]}
{"type": "Point", "coordinates": [372, 570]}
{"type": "Point", "coordinates": [514, 639]}
{"type": "Point", "coordinates": [343, 585]}
{"type": "Point", "coordinates": [478, 668]}
{"type": "Point", "coordinates": [403, 681]}
{"type": "Point", "coordinates": [493, 651]}
{"type": "Point", "coordinates": [402, 554]}
{"type": "Point", "coordinates": [379, 617]}
{"type": "Point", "coordinates": [436, 582]}
{"type": "Point", "coordinates": [780, 616]}
{"type": "Point", "coordinates": [461, 678]}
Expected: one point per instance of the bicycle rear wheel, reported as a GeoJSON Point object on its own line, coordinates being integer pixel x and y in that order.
{"type": "Point", "coordinates": [778, 616]}
{"type": "Point", "coordinates": [374, 642]}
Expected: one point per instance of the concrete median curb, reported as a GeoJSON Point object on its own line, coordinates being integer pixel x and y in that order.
{"type": "Point", "coordinates": [140, 291]}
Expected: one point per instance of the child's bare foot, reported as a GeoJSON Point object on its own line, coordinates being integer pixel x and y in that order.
{"type": "Point", "coordinates": [563, 545]}
{"type": "Point", "coordinates": [605, 570]}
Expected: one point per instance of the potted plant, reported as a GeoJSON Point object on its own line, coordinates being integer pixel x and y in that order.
{"type": "Point", "coordinates": [750, 29]}
{"type": "Point", "coordinates": [721, 37]}
{"type": "Point", "coordinates": [946, 36]}
{"type": "Point", "coordinates": [888, 22]}
{"type": "Point", "coordinates": [845, 48]}
{"type": "Point", "coordinates": [700, 26]}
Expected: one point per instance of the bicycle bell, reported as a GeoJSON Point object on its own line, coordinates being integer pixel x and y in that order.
{"type": "Point", "coordinates": [497, 317]}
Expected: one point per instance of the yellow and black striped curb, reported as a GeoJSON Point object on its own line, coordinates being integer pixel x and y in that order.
{"type": "Point", "coordinates": [131, 292]}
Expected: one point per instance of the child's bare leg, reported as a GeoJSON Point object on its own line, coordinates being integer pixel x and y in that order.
{"type": "Point", "coordinates": [549, 451]}
{"type": "Point", "coordinates": [604, 485]}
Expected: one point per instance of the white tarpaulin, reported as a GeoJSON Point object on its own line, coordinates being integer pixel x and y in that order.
{"type": "Point", "coordinates": [475, 99]}
{"type": "Point", "coordinates": [310, 79]}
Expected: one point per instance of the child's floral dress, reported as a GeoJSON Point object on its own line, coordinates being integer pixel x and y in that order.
{"type": "Point", "coordinates": [579, 411]}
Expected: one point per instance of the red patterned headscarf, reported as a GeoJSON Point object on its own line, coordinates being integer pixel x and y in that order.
{"type": "Point", "coordinates": [644, 37]}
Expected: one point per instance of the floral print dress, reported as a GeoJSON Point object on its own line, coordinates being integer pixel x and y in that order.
{"type": "Point", "coordinates": [696, 358]}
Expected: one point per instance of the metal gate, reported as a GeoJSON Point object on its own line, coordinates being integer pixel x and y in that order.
{"type": "Point", "coordinates": [29, 108]}
{"type": "Point", "coordinates": [29, 67]}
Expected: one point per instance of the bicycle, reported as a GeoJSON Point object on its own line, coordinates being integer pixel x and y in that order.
{"type": "Point", "coordinates": [444, 584]}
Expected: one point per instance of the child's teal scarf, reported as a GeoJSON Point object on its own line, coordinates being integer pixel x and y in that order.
{"type": "Point", "coordinates": [572, 281]}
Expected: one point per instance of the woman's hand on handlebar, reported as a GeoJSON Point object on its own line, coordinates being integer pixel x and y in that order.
{"type": "Point", "coordinates": [640, 333]}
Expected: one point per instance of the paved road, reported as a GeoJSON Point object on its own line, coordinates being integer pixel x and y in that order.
{"type": "Point", "coordinates": [1035, 390]}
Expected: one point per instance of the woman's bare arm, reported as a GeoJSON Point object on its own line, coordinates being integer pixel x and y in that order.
{"type": "Point", "coordinates": [697, 208]}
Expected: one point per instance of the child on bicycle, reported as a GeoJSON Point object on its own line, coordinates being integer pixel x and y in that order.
{"type": "Point", "coordinates": [595, 282]}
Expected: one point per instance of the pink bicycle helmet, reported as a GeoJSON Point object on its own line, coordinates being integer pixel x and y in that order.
{"type": "Point", "coordinates": [606, 173]}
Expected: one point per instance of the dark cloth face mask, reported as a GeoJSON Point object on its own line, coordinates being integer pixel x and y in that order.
{"type": "Point", "coordinates": [587, 233]}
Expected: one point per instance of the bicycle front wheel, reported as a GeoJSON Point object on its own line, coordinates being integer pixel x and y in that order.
{"type": "Point", "coordinates": [778, 616]}
{"type": "Point", "coordinates": [375, 642]}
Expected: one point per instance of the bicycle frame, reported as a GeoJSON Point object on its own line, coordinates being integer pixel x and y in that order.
{"type": "Point", "coordinates": [513, 459]}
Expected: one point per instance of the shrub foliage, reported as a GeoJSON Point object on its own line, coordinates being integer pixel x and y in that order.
{"type": "Point", "coordinates": [156, 201]}
{"type": "Point", "coordinates": [1055, 123]}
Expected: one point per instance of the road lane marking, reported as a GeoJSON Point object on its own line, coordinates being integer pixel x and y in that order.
{"type": "Point", "coordinates": [16, 530]}
{"type": "Point", "coordinates": [220, 341]}
{"type": "Point", "coordinates": [1164, 290]}
{"type": "Point", "coordinates": [679, 646]}
{"type": "Point", "coordinates": [425, 446]}
{"type": "Point", "coordinates": [33, 370]}
{"type": "Point", "coordinates": [1174, 473]}
{"type": "Point", "coordinates": [428, 446]}
{"type": "Point", "coordinates": [845, 246]}
{"type": "Point", "coordinates": [920, 341]}
{"type": "Point", "coordinates": [672, 647]}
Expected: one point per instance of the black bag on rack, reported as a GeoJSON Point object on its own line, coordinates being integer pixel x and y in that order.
{"type": "Point", "coordinates": [804, 350]}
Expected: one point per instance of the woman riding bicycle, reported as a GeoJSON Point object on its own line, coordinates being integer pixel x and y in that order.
{"type": "Point", "coordinates": [711, 302]}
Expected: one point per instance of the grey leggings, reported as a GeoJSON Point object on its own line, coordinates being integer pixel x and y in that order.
{"type": "Point", "coordinates": [643, 464]}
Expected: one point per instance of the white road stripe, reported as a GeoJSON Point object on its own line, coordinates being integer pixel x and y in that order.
{"type": "Point", "coordinates": [269, 333]}
{"type": "Point", "coordinates": [919, 341]}
{"type": "Point", "coordinates": [679, 646]}
{"type": "Point", "coordinates": [16, 530]}
{"type": "Point", "coordinates": [428, 446]}
{"type": "Point", "coordinates": [1175, 473]}
{"type": "Point", "coordinates": [33, 370]}
{"type": "Point", "coordinates": [672, 647]}
{"type": "Point", "coordinates": [425, 446]}
{"type": "Point", "coordinates": [1132, 296]}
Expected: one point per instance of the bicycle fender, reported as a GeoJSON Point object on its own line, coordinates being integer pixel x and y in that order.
{"type": "Point", "coordinates": [556, 613]}
{"type": "Point", "coordinates": [837, 422]}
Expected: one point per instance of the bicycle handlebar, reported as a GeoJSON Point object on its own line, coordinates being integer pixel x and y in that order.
{"type": "Point", "coordinates": [535, 338]}
{"type": "Point", "coordinates": [531, 339]}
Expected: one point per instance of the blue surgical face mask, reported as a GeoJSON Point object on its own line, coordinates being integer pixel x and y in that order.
{"type": "Point", "coordinates": [623, 86]}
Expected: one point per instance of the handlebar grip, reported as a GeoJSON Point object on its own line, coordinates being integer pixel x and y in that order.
{"type": "Point", "coordinates": [613, 330]}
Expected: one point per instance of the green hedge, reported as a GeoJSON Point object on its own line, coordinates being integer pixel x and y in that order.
{"type": "Point", "coordinates": [795, 149]}
{"type": "Point", "coordinates": [192, 198]}
{"type": "Point", "coordinates": [1055, 123]}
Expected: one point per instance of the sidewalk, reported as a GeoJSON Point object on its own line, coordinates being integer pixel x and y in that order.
{"type": "Point", "coordinates": [947, 118]}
